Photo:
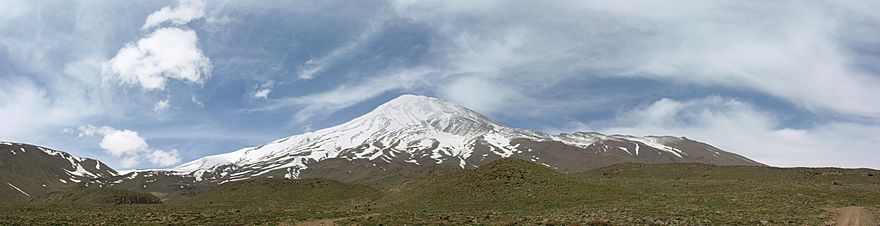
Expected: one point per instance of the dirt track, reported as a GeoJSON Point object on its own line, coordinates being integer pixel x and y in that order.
{"type": "Point", "coordinates": [855, 216]}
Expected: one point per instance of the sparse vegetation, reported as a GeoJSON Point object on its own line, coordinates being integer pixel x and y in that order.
{"type": "Point", "coordinates": [508, 192]}
{"type": "Point", "coordinates": [285, 192]}
{"type": "Point", "coordinates": [99, 196]}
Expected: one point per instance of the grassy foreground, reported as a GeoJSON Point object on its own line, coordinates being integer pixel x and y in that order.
{"type": "Point", "coordinates": [509, 191]}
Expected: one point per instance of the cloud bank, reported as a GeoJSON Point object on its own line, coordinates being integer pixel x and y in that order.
{"type": "Point", "coordinates": [796, 52]}
{"type": "Point", "coordinates": [742, 128]}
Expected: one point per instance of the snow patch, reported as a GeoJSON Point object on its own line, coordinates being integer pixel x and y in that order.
{"type": "Point", "coordinates": [656, 142]}
{"type": "Point", "coordinates": [19, 190]}
{"type": "Point", "coordinates": [581, 140]}
{"type": "Point", "coordinates": [13, 151]}
{"type": "Point", "coordinates": [80, 171]}
{"type": "Point", "coordinates": [504, 149]}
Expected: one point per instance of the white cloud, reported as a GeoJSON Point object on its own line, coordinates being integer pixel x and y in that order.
{"type": "Point", "coordinates": [128, 145]}
{"type": "Point", "coordinates": [198, 102]}
{"type": "Point", "coordinates": [213, 23]}
{"type": "Point", "coordinates": [164, 158]}
{"type": "Point", "coordinates": [183, 13]}
{"type": "Point", "coordinates": [12, 9]}
{"type": "Point", "coordinates": [477, 66]}
{"type": "Point", "coordinates": [345, 96]}
{"type": "Point", "coordinates": [27, 108]}
{"type": "Point", "coordinates": [123, 142]}
{"type": "Point", "coordinates": [315, 65]}
{"type": "Point", "coordinates": [494, 64]}
{"type": "Point", "coordinates": [263, 90]}
{"type": "Point", "coordinates": [167, 53]}
{"type": "Point", "coordinates": [130, 161]}
{"type": "Point", "coordinates": [90, 130]}
{"type": "Point", "coordinates": [570, 127]}
{"type": "Point", "coordinates": [162, 106]}
{"type": "Point", "coordinates": [481, 95]}
{"type": "Point", "coordinates": [19, 102]}
{"type": "Point", "coordinates": [54, 75]}
{"type": "Point", "coordinates": [739, 127]}
{"type": "Point", "coordinates": [262, 93]}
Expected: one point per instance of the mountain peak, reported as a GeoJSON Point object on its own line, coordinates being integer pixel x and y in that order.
{"type": "Point", "coordinates": [411, 110]}
{"type": "Point", "coordinates": [413, 129]}
{"type": "Point", "coordinates": [416, 102]}
{"type": "Point", "coordinates": [412, 98]}
{"type": "Point", "coordinates": [409, 102]}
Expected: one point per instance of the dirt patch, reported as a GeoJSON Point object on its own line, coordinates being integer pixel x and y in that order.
{"type": "Point", "coordinates": [332, 221]}
{"type": "Point", "coordinates": [855, 216]}
{"type": "Point", "coordinates": [161, 195]}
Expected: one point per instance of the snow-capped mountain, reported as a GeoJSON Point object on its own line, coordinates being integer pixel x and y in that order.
{"type": "Point", "coordinates": [417, 131]}
{"type": "Point", "coordinates": [28, 171]}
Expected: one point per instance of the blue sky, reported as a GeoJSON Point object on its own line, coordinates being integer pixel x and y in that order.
{"type": "Point", "coordinates": [143, 84]}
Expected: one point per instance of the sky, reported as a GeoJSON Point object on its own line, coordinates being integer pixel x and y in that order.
{"type": "Point", "coordinates": [152, 84]}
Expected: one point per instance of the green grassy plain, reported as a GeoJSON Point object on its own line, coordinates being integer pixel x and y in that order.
{"type": "Point", "coordinates": [508, 191]}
